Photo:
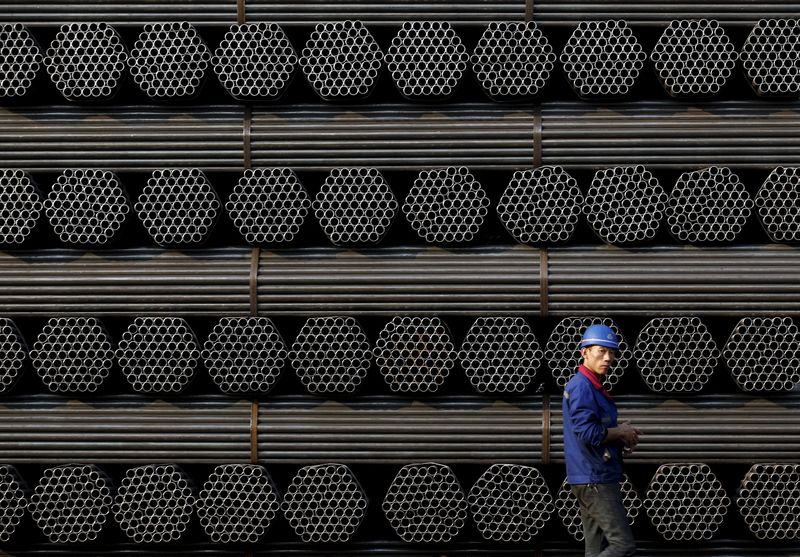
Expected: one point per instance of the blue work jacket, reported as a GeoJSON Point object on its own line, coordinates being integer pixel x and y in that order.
{"type": "Point", "coordinates": [588, 414]}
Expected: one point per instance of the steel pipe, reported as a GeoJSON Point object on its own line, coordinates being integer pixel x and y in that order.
{"type": "Point", "coordinates": [738, 13]}
{"type": "Point", "coordinates": [713, 428]}
{"type": "Point", "coordinates": [664, 134]}
{"type": "Point", "coordinates": [662, 281]}
{"type": "Point", "coordinates": [49, 13]}
{"type": "Point", "coordinates": [393, 137]}
{"type": "Point", "coordinates": [373, 12]}
{"type": "Point", "coordinates": [49, 430]}
{"type": "Point", "coordinates": [126, 282]}
{"type": "Point", "coordinates": [741, 134]}
{"type": "Point", "coordinates": [393, 430]}
{"type": "Point", "coordinates": [121, 138]}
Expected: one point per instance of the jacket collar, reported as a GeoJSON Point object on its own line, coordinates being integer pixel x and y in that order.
{"type": "Point", "coordinates": [592, 377]}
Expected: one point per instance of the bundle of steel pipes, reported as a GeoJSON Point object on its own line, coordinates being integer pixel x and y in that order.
{"type": "Point", "coordinates": [355, 206]}
{"type": "Point", "coordinates": [14, 354]}
{"type": "Point", "coordinates": [768, 499]}
{"type": "Point", "coordinates": [244, 354]}
{"type": "Point", "coordinates": [178, 206]}
{"type": "Point", "coordinates": [676, 354]}
{"type": "Point", "coordinates": [72, 354]}
{"type": "Point", "coordinates": [721, 211]}
{"type": "Point", "coordinates": [255, 61]}
{"type": "Point", "coordinates": [513, 59]}
{"type": "Point", "coordinates": [86, 206]}
{"type": "Point", "coordinates": [331, 355]}
{"type": "Point", "coordinates": [79, 46]}
{"type": "Point", "coordinates": [427, 59]}
{"type": "Point", "coordinates": [341, 60]}
{"type": "Point", "coordinates": [14, 496]}
{"type": "Point", "coordinates": [602, 59]}
{"type": "Point", "coordinates": [268, 206]}
{"type": "Point", "coordinates": [21, 60]}
{"type": "Point", "coordinates": [694, 58]}
{"type": "Point", "coordinates": [425, 503]}
{"type": "Point", "coordinates": [169, 60]}
{"type": "Point", "coordinates": [686, 501]}
{"type": "Point", "coordinates": [500, 355]}
{"type": "Point", "coordinates": [71, 503]}
{"type": "Point", "coordinates": [154, 503]}
{"type": "Point", "coordinates": [446, 206]}
{"type": "Point", "coordinates": [771, 43]}
{"type": "Point", "coordinates": [510, 503]}
{"type": "Point", "coordinates": [415, 354]}
{"type": "Point", "coordinates": [21, 207]}
{"type": "Point", "coordinates": [625, 205]}
{"type": "Point", "coordinates": [158, 354]}
{"type": "Point", "coordinates": [238, 504]}
{"type": "Point", "coordinates": [324, 503]}
{"type": "Point", "coordinates": [761, 352]}
{"type": "Point", "coordinates": [541, 206]}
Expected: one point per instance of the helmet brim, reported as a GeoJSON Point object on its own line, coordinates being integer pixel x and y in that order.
{"type": "Point", "coordinates": [599, 342]}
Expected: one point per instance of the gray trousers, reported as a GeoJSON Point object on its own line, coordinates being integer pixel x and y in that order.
{"type": "Point", "coordinates": [605, 520]}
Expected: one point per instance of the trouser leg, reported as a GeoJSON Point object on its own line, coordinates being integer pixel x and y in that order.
{"type": "Point", "coordinates": [605, 521]}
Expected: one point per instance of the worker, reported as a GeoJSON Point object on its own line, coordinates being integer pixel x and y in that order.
{"type": "Point", "coordinates": [593, 447]}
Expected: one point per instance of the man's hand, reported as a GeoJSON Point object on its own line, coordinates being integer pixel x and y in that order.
{"type": "Point", "coordinates": [626, 433]}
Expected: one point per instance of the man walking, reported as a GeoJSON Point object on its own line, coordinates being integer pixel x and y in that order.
{"type": "Point", "coordinates": [593, 446]}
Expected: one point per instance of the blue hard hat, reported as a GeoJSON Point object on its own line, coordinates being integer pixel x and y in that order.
{"type": "Point", "coordinates": [601, 335]}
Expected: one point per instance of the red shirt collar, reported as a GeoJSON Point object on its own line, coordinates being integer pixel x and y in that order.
{"type": "Point", "coordinates": [592, 377]}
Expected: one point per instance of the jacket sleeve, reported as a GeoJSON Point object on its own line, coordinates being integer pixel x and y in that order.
{"type": "Point", "coordinates": [585, 418]}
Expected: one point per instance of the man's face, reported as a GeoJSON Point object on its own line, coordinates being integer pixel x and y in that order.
{"type": "Point", "coordinates": [598, 358]}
